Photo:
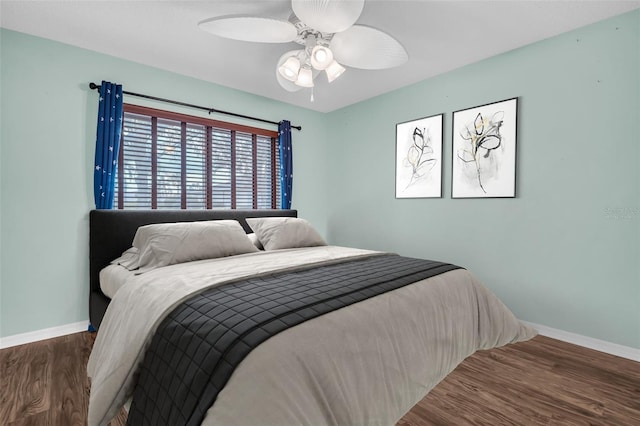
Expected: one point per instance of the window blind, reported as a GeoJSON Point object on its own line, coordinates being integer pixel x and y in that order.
{"type": "Point", "coordinates": [175, 161]}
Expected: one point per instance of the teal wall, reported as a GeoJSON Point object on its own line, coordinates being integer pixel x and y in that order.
{"type": "Point", "coordinates": [566, 252]}
{"type": "Point", "coordinates": [46, 172]}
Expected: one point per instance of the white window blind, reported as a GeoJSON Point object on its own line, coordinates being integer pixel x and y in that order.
{"type": "Point", "coordinates": [169, 171]}
{"type": "Point", "coordinates": [133, 180]}
{"type": "Point", "coordinates": [196, 166]}
{"type": "Point", "coordinates": [264, 162]}
{"type": "Point", "coordinates": [221, 179]}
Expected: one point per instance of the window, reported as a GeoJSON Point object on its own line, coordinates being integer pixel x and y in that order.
{"type": "Point", "coordinates": [176, 161]}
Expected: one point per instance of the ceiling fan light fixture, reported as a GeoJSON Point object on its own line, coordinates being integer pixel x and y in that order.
{"type": "Point", "coordinates": [321, 57]}
{"type": "Point", "coordinates": [290, 69]}
{"type": "Point", "coordinates": [305, 77]}
{"type": "Point", "coordinates": [334, 70]}
{"type": "Point", "coordinates": [330, 39]}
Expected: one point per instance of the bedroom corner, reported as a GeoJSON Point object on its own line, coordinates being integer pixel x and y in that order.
{"type": "Point", "coordinates": [565, 252]}
{"type": "Point", "coordinates": [51, 125]}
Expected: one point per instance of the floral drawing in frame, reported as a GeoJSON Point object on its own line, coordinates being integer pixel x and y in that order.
{"type": "Point", "coordinates": [484, 151]}
{"type": "Point", "coordinates": [419, 158]}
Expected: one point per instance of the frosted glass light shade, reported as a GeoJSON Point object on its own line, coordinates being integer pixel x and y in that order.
{"type": "Point", "coordinates": [287, 85]}
{"type": "Point", "coordinates": [321, 57]}
{"type": "Point", "coordinates": [334, 70]}
{"type": "Point", "coordinates": [305, 77]}
{"type": "Point", "coordinates": [290, 68]}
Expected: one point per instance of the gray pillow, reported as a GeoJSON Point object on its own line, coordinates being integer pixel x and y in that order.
{"type": "Point", "coordinates": [165, 244]}
{"type": "Point", "coordinates": [285, 232]}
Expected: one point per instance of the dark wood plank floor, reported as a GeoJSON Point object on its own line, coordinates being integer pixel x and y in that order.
{"type": "Point", "coordinates": [539, 382]}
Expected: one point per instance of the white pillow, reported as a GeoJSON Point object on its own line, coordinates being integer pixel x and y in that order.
{"type": "Point", "coordinates": [285, 232]}
{"type": "Point", "coordinates": [165, 244]}
{"type": "Point", "coordinates": [255, 241]}
{"type": "Point", "coordinates": [130, 259]}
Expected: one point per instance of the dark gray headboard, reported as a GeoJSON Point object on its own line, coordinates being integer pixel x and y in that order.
{"type": "Point", "coordinates": [111, 233]}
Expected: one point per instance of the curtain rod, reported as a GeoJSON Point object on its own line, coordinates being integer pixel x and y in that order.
{"type": "Point", "coordinates": [94, 86]}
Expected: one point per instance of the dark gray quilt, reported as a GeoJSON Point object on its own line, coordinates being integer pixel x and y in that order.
{"type": "Point", "coordinates": [198, 345]}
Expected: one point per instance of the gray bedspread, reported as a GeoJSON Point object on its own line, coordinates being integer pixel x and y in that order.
{"type": "Point", "coordinates": [199, 344]}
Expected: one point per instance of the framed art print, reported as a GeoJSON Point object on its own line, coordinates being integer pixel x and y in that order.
{"type": "Point", "coordinates": [419, 158]}
{"type": "Point", "coordinates": [484, 151]}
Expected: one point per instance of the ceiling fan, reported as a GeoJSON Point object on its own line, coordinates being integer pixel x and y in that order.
{"type": "Point", "coordinates": [326, 29]}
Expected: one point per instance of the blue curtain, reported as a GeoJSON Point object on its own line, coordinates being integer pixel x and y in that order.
{"type": "Point", "coordinates": [286, 163]}
{"type": "Point", "coordinates": [107, 143]}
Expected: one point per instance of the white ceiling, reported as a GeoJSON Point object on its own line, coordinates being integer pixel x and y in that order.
{"type": "Point", "coordinates": [438, 35]}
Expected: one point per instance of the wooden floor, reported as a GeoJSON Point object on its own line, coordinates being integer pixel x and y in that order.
{"type": "Point", "coordinates": [539, 382]}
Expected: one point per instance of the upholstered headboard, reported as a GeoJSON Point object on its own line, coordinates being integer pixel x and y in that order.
{"type": "Point", "coordinates": [111, 233]}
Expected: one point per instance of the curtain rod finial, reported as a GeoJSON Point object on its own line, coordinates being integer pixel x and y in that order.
{"type": "Point", "coordinates": [93, 86]}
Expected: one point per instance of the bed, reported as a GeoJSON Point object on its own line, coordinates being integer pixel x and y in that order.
{"type": "Point", "coordinates": [367, 361]}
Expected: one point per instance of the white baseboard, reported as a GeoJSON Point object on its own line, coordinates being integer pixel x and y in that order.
{"type": "Point", "coordinates": [565, 336]}
{"type": "Point", "coordinates": [587, 342]}
{"type": "Point", "coordinates": [47, 333]}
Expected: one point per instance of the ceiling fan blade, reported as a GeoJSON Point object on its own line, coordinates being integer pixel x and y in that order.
{"type": "Point", "coordinates": [328, 16]}
{"type": "Point", "coordinates": [367, 48]}
{"type": "Point", "coordinates": [251, 28]}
